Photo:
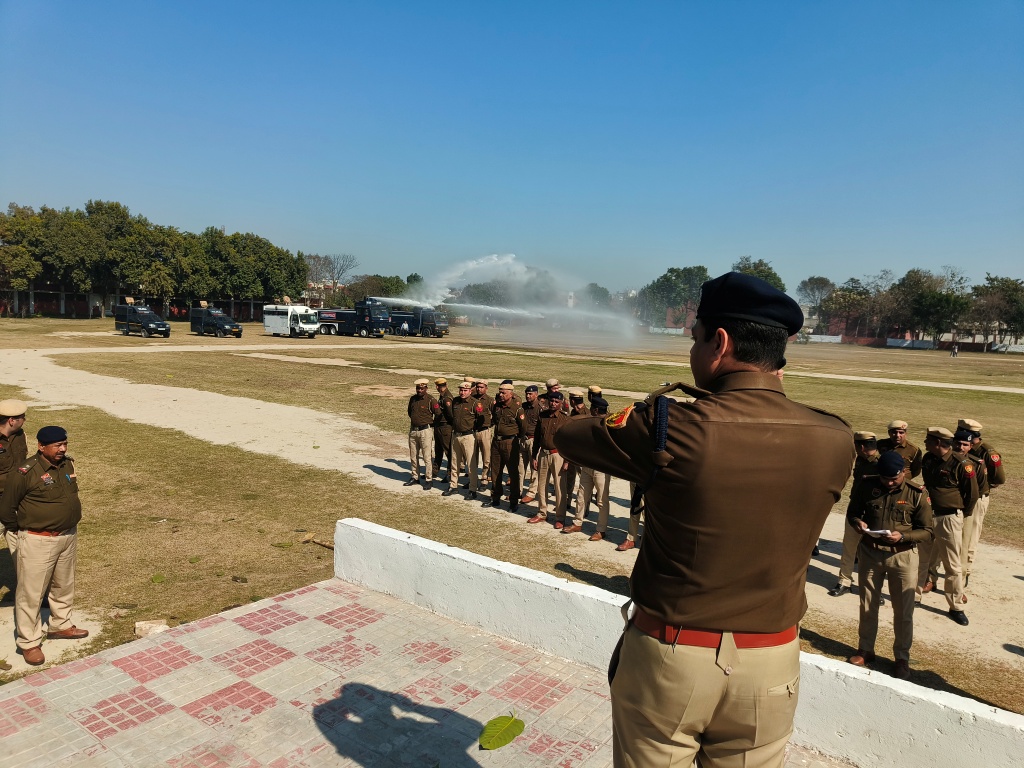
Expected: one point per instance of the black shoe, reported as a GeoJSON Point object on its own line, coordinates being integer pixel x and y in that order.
{"type": "Point", "coordinates": [488, 503]}
{"type": "Point", "coordinates": [447, 492]}
{"type": "Point", "coordinates": [427, 485]}
{"type": "Point", "coordinates": [513, 507]}
{"type": "Point", "coordinates": [472, 495]}
{"type": "Point", "coordinates": [409, 482]}
{"type": "Point", "coordinates": [815, 552]}
{"type": "Point", "coordinates": [466, 486]}
{"type": "Point", "coordinates": [959, 617]}
{"type": "Point", "coordinates": [838, 590]}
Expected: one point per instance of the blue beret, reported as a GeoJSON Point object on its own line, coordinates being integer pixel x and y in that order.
{"type": "Point", "coordinates": [48, 435]}
{"type": "Point", "coordinates": [554, 395]}
{"type": "Point", "coordinates": [739, 296]}
{"type": "Point", "coordinates": [531, 388]}
{"type": "Point", "coordinates": [507, 381]}
{"type": "Point", "coordinates": [890, 464]}
{"type": "Point", "coordinates": [963, 434]}
{"type": "Point", "coordinates": [599, 402]}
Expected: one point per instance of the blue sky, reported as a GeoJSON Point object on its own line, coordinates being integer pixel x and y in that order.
{"type": "Point", "coordinates": [608, 141]}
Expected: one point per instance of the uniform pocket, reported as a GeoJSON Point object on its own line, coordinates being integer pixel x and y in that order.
{"type": "Point", "coordinates": [790, 689]}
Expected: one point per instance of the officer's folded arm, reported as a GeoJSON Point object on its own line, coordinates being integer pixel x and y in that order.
{"type": "Point", "coordinates": [623, 452]}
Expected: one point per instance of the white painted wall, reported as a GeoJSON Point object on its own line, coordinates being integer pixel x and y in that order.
{"type": "Point", "coordinates": [864, 717]}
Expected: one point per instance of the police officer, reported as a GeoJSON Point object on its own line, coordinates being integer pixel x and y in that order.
{"type": "Point", "coordinates": [442, 428]}
{"type": "Point", "coordinates": [465, 414]}
{"type": "Point", "coordinates": [995, 476]}
{"type": "Point", "coordinates": [547, 461]}
{"type": "Point", "coordinates": [897, 441]}
{"type": "Point", "coordinates": [570, 477]}
{"type": "Point", "coordinates": [482, 436]}
{"type": "Point", "coordinates": [423, 409]}
{"type": "Point", "coordinates": [888, 502]}
{"type": "Point", "coordinates": [594, 485]}
{"type": "Point", "coordinates": [13, 451]}
{"type": "Point", "coordinates": [962, 444]}
{"type": "Point", "coordinates": [718, 584]}
{"type": "Point", "coordinates": [953, 489]}
{"type": "Point", "coordinates": [41, 504]}
{"type": "Point", "coordinates": [509, 429]}
{"type": "Point", "coordinates": [865, 469]}
{"type": "Point", "coordinates": [531, 411]}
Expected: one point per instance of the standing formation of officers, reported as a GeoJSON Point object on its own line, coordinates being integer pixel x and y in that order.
{"type": "Point", "coordinates": [485, 438]}
{"type": "Point", "coordinates": [900, 529]}
{"type": "Point", "coordinates": [39, 511]}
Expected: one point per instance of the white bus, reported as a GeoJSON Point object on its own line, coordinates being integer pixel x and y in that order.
{"type": "Point", "coordinates": [291, 319]}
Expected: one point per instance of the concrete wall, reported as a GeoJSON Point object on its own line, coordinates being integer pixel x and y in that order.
{"type": "Point", "coordinates": [864, 717]}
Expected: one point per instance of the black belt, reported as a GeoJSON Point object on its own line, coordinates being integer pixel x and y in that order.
{"type": "Point", "coordinates": [418, 429]}
{"type": "Point", "coordinates": [936, 513]}
{"type": "Point", "coordinates": [481, 429]}
{"type": "Point", "coordinates": [463, 434]}
{"type": "Point", "coordinates": [902, 546]}
{"type": "Point", "coordinates": [504, 437]}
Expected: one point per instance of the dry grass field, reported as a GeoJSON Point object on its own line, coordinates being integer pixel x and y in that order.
{"type": "Point", "coordinates": [223, 526]}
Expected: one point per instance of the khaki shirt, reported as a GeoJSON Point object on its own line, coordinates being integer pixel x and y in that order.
{"type": "Point", "coordinates": [911, 454]}
{"type": "Point", "coordinates": [951, 482]}
{"type": "Point", "coordinates": [422, 409]}
{"type": "Point", "coordinates": [508, 419]}
{"type": "Point", "coordinates": [747, 480]}
{"type": "Point", "coordinates": [13, 451]}
{"type": "Point", "coordinates": [905, 509]}
{"type": "Point", "coordinates": [41, 496]}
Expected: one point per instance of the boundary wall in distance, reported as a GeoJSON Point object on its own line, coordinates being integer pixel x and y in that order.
{"type": "Point", "coordinates": [867, 718]}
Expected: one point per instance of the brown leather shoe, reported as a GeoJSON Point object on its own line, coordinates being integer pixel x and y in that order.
{"type": "Point", "coordinates": [596, 536]}
{"type": "Point", "coordinates": [902, 670]}
{"type": "Point", "coordinates": [625, 546]}
{"type": "Point", "coordinates": [559, 525]}
{"type": "Point", "coordinates": [527, 498]}
{"type": "Point", "coordinates": [862, 658]}
{"type": "Point", "coordinates": [536, 519]}
{"type": "Point", "coordinates": [33, 656]}
{"type": "Point", "coordinates": [573, 529]}
{"type": "Point", "coordinates": [71, 633]}
{"type": "Point", "coordinates": [928, 586]}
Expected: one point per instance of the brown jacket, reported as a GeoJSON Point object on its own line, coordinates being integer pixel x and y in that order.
{"type": "Point", "coordinates": [904, 509]}
{"type": "Point", "coordinates": [41, 496]}
{"type": "Point", "coordinates": [748, 479]}
{"type": "Point", "coordinates": [508, 419]}
{"type": "Point", "coordinates": [951, 482]}
{"type": "Point", "coordinates": [547, 425]}
{"type": "Point", "coordinates": [422, 410]}
{"type": "Point", "coordinates": [464, 413]}
{"type": "Point", "coordinates": [13, 451]}
{"type": "Point", "coordinates": [995, 473]}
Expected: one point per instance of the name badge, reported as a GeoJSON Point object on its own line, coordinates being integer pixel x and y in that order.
{"type": "Point", "coordinates": [47, 480]}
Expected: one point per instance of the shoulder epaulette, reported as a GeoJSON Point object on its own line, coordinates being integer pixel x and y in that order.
{"type": "Point", "coordinates": [829, 413]}
{"type": "Point", "coordinates": [916, 486]}
{"type": "Point", "coordinates": [695, 392]}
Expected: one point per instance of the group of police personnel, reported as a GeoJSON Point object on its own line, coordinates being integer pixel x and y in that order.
{"type": "Point", "coordinates": [910, 511]}
{"type": "Point", "coordinates": [470, 433]}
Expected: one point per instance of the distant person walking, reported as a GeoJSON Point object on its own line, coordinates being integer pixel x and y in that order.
{"type": "Point", "coordinates": [404, 330]}
{"type": "Point", "coordinates": [954, 351]}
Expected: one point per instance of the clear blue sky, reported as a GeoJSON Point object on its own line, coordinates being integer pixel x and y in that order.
{"type": "Point", "coordinates": [613, 140]}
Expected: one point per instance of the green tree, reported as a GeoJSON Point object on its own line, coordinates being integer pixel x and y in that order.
{"type": "Point", "coordinates": [375, 285]}
{"type": "Point", "coordinates": [677, 289]}
{"type": "Point", "coordinates": [813, 291]}
{"type": "Point", "coordinates": [760, 268]}
{"type": "Point", "coordinates": [414, 279]}
{"type": "Point", "coordinates": [594, 296]}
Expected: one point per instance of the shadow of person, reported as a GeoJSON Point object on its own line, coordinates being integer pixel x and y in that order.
{"type": "Point", "coordinates": [392, 474]}
{"type": "Point", "coordinates": [1013, 649]}
{"type": "Point", "coordinates": [8, 577]}
{"type": "Point", "coordinates": [375, 728]}
{"type": "Point", "coordinates": [617, 584]}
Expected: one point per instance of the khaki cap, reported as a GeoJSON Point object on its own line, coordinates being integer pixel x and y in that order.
{"type": "Point", "coordinates": [441, 380]}
{"type": "Point", "coordinates": [594, 389]}
{"type": "Point", "coordinates": [898, 424]}
{"type": "Point", "coordinates": [551, 383]}
{"type": "Point", "coordinates": [9, 408]}
{"type": "Point", "coordinates": [577, 393]}
{"type": "Point", "coordinates": [465, 385]}
{"type": "Point", "coordinates": [940, 432]}
{"type": "Point", "coordinates": [863, 437]}
{"type": "Point", "coordinates": [970, 424]}
{"type": "Point", "coordinates": [420, 382]}
{"type": "Point", "coordinates": [506, 388]}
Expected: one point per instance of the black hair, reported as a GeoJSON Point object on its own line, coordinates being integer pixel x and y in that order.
{"type": "Point", "coordinates": [755, 344]}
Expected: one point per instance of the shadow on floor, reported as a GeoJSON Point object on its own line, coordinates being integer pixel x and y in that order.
{"type": "Point", "coordinates": [375, 727]}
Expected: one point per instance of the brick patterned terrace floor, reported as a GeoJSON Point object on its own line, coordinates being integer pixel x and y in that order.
{"type": "Point", "coordinates": [328, 675]}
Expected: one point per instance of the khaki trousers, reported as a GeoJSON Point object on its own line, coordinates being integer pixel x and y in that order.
{"type": "Point", "coordinates": [526, 463]}
{"type": "Point", "coordinates": [851, 540]}
{"type": "Point", "coordinates": [633, 530]}
{"type": "Point", "coordinates": [11, 537]}
{"type": "Point", "coordinates": [44, 562]}
{"type": "Point", "coordinates": [481, 451]}
{"type": "Point", "coordinates": [972, 533]}
{"type": "Point", "coordinates": [421, 443]}
{"type": "Point", "coordinates": [900, 569]}
{"type": "Point", "coordinates": [593, 485]}
{"type": "Point", "coordinates": [505, 455]}
{"type": "Point", "coordinates": [728, 707]}
{"type": "Point", "coordinates": [949, 534]}
{"type": "Point", "coordinates": [462, 449]}
{"type": "Point", "coordinates": [549, 467]}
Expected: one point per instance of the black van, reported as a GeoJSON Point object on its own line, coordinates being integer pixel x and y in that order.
{"type": "Point", "coordinates": [205, 320]}
{"type": "Point", "coordinates": [135, 318]}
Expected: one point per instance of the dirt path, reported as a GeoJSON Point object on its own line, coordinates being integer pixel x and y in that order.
{"type": "Point", "coordinates": [368, 453]}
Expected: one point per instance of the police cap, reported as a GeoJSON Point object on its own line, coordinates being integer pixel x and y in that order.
{"type": "Point", "coordinates": [890, 464]}
{"type": "Point", "coordinates": [898, 424]}
{"type": "Point", "coordinates": [940, 433]}
{"type": "Point", "coordinates": [970, 424]}
{"type": "Point", "coordinates": [864, 437]}
{"type": "Point", "coordinates": [739, 296]}
{"type": "Point", "coordinates": [440, 380]}
{"type": "Point", "coordinates": [11, 408]}
{"type": "Point", "coordinates": [48, 435]}
{"type": "Point", "coordinates": [532, 388]}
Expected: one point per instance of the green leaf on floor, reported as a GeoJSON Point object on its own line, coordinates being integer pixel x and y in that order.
{"type": "Point", "coordinates": [194, 559]}
{"type": "Point", "coordinates": [500, 731]}
{"type": "Point", "coordinates": [157, 578]}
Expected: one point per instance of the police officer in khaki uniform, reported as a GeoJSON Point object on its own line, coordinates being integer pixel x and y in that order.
{"type": "Point", "coordinates": [718, 585]}
{"type": "Point", "coordinates": [423, 409]}
{"type": "Point", "coordinates": [865, 469]}
{"type": "Point", "coordinates": [594, 484]}
{"type": "Point", "coordinates": [890, 503]}
{"type": "Point", "coordinates": [464, 412]}
{"type": "Point", "coordinates": [962, 450]}
{"type": "Point", "coordinates": [41, 503]}
{"type": "Point", "coordinates": [953, 489]}
{"type": "Point", "coordinates": [482, 437]}
{"type": "Point", "coordinates": [571, 475]}
{"type": "Point", "coordinates": [995, 476]}
{"type": "Point", "coordinates": [531, 411]}
{"type": "Point", "coordinates": [897, 441]}
{"type": "Point", "coordinates": [509, 424]}
{"type": "Point", "coordinates": [13, 451]}
{"type": "Point", "coordinates": [442, 428]}
{"type": "Point", "coordinates": [547, 461]}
